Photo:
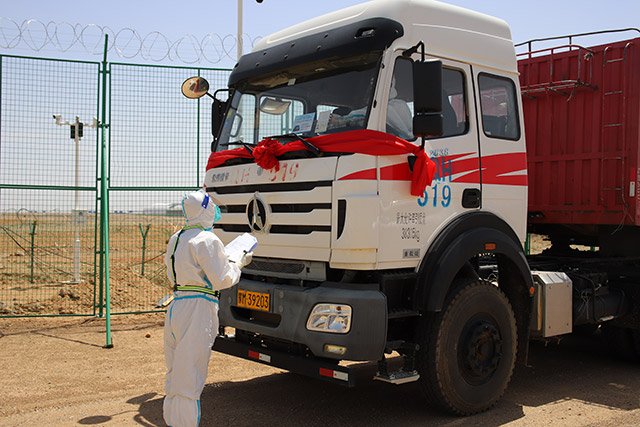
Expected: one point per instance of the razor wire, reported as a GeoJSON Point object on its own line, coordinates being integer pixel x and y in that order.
{"type": "Point", "coordinates": [127, 43]}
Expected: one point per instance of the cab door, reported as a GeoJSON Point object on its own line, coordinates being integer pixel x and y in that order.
{"type": "Point", "coordinates": [502, 142]}
{"type": "Point", "coordinates": [409, 223]}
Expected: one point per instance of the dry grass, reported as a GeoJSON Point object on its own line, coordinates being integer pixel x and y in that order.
{"type": "Point", "coordinates": [37, 266]}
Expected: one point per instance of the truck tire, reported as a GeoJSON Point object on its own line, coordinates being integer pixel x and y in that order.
{"type": "Point", "coordinates": [623, 342]}
{"type": "Point", "coordinates": [468, 350]}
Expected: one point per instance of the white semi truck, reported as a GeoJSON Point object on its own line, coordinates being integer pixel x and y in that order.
{"type": "Point", "coordinates": [367, 246]}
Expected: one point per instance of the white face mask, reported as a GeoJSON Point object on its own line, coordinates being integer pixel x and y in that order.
{"type": "Point", "coordinates": [218, 214]}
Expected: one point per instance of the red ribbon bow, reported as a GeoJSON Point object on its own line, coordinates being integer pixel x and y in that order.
{"type": "Point", "coordinates": [266, 154]}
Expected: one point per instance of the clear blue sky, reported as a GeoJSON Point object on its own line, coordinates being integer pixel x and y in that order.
{"type": "Point", "coordinates": [176, 19]}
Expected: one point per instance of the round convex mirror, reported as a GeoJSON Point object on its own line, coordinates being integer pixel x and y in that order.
{"type": "Point", "coordinates": [195, 87]}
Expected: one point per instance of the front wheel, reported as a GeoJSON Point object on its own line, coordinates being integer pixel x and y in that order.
{"type": "Point", "coordinates": [468, 350]}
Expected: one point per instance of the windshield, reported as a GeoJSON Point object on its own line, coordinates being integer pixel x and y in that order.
{"type": "Point", "coordinates": [326, 96]}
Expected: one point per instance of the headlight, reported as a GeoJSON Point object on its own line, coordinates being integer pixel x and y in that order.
{"type": "Point", "coordinates": [333, 318]}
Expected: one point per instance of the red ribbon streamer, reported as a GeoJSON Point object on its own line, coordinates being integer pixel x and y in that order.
{"type": "Point", "coordinates": [362, 141]}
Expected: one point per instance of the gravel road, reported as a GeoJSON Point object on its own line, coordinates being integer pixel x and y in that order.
{"type": "Point", "coordinates": [56, 372]}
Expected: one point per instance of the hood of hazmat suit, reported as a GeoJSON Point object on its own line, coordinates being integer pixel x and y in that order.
{"type": "Point", "coordinates": [200, 210]}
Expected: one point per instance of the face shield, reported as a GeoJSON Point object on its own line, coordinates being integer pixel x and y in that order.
{"type": "Point", "coordinates": [205, 205]}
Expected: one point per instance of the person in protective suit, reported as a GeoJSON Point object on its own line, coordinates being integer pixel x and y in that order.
{"type": "Point", "coordinates": [399, 117]}
{"type": "Point", "coordinates": [198, 267]}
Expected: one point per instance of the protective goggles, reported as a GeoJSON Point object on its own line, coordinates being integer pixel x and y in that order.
{"type": "Point", "coordinates": [205, 202]}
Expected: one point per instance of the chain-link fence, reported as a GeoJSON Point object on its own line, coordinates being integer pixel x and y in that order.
{"type": "Point", "coordinates": [159, 142]}
{"type": "Point", "coordinates": [47, 187]}
{"type": "Point", "coordinates": [51, 253]}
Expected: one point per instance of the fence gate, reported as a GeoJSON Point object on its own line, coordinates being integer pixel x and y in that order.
{"type": "Point", "coordinates": [48, 186]}
{"type": "Point", "coordinates": [157, 144]}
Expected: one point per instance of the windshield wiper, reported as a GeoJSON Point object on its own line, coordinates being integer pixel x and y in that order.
{"type": "Point", "coordinates": [315, 150]}
{"type": "Point", "coordinates": [246, 145]}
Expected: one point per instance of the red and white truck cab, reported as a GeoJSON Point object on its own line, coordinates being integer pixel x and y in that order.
{"type": "Point", "coordinates": [378, 155]}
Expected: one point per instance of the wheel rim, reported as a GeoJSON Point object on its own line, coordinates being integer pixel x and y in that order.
{"type": "Point", "coordinates": [479, 350]}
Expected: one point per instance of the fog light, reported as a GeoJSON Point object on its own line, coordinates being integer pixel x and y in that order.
{"type": "Point", "coordinates": [335, 349]}
{"type": "Point", "coordinates": [332, 318]}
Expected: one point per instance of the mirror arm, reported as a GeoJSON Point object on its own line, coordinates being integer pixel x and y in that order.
{"type": "Point", "coordinates": [218, 91]}
{"type": "Point", "coordinates": [407, 53]}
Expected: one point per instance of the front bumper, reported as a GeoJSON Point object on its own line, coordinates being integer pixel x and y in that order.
{"type": "Point", "coordinates": [314, 368]}
{"type": "Point", "coordinates": [289, 310]}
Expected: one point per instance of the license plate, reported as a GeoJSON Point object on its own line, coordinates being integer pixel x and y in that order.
{"type": "Point", "coordinates": [254, 300]}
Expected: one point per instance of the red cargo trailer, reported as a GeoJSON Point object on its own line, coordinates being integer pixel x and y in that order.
{"type": "Point", "coordinates": [581, 111]}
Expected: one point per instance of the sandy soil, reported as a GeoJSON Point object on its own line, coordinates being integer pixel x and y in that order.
{"type": "Point", "coordinates": [56, 372]}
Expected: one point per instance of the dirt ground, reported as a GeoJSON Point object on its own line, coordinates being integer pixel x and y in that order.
{"type": "Point", "coordinates": [55, 371]}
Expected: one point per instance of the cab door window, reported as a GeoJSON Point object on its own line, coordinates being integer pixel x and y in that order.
{"type": "Point", "coordinates": [400, 108]}
{"type": "Point", "coordinates": [499, 107]}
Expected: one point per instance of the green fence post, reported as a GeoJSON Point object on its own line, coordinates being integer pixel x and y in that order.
{"type": "Point", "coordinates": [527, 245]}
{"type": "Point", "coordinates": [144, 242]}
{"type": "Point", "coordinates": [32, 233]}
{"type": "Point", "coordinates": [104, 203]}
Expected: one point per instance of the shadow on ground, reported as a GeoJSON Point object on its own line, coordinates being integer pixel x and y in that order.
{"type": "Point", "coordinates": [576, 369]}
{"type": "Point", "coordinates": [61, 330]}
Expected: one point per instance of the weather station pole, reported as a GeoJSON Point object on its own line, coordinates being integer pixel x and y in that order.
{"type": "Point", "coordinates": [76, 207]}
{"type": "Point", "coordinates": [239, 29]}
{"type": "Point", "coordinates": [76, 215]}
{"type": "Point", "coordinates": [239, 36]}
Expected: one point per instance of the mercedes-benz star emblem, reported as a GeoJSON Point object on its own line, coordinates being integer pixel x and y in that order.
{"type": "Point", "coordinates": [257, 214]}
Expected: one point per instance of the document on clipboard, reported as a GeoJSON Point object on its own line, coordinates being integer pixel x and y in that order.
{"type": "Point", "coordinates": [241, 244]}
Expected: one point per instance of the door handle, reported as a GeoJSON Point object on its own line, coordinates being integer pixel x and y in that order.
{"type": "Point", "coordinates": [471, 198]}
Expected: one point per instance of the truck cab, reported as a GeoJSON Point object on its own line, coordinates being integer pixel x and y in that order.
{"type": "Point", "coordinates": [316, 152]}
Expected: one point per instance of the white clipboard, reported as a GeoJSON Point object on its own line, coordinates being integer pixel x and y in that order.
{"type": "Point", "coordinates": [241, 244]}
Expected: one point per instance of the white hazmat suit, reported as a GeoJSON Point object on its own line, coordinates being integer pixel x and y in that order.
{"type": "Point", "coordinates": [399, 117]}
{"type": "Point", "coordinates": [195, 258]}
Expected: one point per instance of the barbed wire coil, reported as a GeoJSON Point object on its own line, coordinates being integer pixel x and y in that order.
{"type": "Point", "coordinates": [127, 43]}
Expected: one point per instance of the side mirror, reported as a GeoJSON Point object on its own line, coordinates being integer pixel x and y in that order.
{"type": "Point", "coordinates": [218, 110]}
{"type": "Point", "coordinates": [427, 98]}
{"type": "Point", "coordinates": [195, 87]}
